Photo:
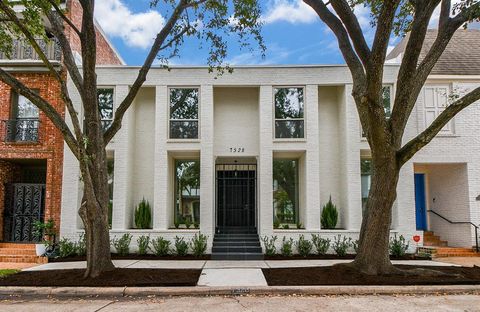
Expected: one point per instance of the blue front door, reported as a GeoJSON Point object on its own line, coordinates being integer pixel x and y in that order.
{"type": "Point", "coordinates": [420, 203]}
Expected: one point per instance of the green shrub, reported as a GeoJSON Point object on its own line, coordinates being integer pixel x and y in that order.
{"type": "Point", "coordinates": [286, 226]}
{"type": "Point", "coordinates": [161, 247]}
{"type": "Point", "coordinates": [287, 247]}
{"type": "Point", "coordinates": [188, 222]}
{"type": "Point", "coordinates": [300, 225]}
{"type": "Point", "coordinates": [66, 248]}
{"type": "Point", "coordinates": [355, 244]}
{"type": "Point", "coordinates": [143, 243]}
{"type": "Point", "coordinates": [341, 244]}
{"type": "Point", "coordinates": [143, 215]}
{"type": "Point", "coordinates": [181, 246]}
{"type": "Point", "coordinates": [329, 215]}
{"type": "Point", "coordinates": [269, 244]}
{"type": "Point", "coordinates": [304, 246]}
{"type": "Point", "coordinates": [199, 244]}
{"type": "Point", "coordinates": [196, 224]}
{"type": "Point", "coordinates": [122, 245]}
{"type": "Point", "coordinates": [81, 245]}
{"type": "Point", "coordinates": [321, 244]}
{"type": "Point", "coordinates": [398, 246]}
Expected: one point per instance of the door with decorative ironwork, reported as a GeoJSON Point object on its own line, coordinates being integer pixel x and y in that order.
{"type": "Point", "coordinates": [24, 204]}
{"type": "Point", "coordinates": [236, 196]}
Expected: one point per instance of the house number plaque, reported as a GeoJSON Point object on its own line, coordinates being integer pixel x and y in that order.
{"type": "Point", "coordinates": [237, 149]}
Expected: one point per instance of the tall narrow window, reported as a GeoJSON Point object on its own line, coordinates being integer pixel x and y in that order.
{"type": "Point", "coordinates": [285, 191]}
{"type": "Point", "coordinates": [366, 171]}
{"type": "Point", "coordinates": [183, 113]}
{"type": "Point", "coordinates": [289, 113]}
{"type": "Point", "coordinates": [105, 106]}
{"type": "Point", "coordinates": [187, 193]}
{"type": "Point", "coordinates": [111, 178]}
{"type": "Point", "coordinates": [387, 102]}
{"type": "Point", "coordinates": [23, 127]}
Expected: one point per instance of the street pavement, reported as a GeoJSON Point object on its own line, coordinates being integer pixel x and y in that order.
{"type": "Point", "coordinates": [449, 303]}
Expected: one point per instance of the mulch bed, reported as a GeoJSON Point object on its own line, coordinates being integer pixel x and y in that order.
{"type": "Point", "coordinates": [133, 257]}
{"type": "Point", "coordinates": [335, 257]}
{"type": "Point", "coordinates": [344, 275]}
{"type": "Point", "coordinates": [118, 277]}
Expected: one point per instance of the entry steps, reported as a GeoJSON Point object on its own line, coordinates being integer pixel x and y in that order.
{"type": "Point", "coordinates": [236, 244]}
{"type": "Point", "coordinates": [20, 252]}
{"type": "Point", "coordinates": [437, 248]}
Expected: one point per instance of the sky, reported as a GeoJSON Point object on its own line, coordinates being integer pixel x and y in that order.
{"type": "Point", "coordinates": [292, 31]}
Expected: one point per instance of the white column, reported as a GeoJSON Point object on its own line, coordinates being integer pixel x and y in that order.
{"type": "Point", "coordinates": [207, 161]}
{"type": "Point", "coordinates": [161, 169]}
{"type": "Point", "coordinates": [265, 165]}
{"type": "Point", "coordinates": [122, 190]}
{"type": "Point", "coordinates": [312, 163]}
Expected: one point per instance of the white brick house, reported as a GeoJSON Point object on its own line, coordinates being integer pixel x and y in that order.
{"type": "Point", "coordinates": [232, 134]}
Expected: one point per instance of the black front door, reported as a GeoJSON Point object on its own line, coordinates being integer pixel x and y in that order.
{"type": "Point", "coordinates": [24, 204]}
{"type": "Point", "coordinates": [236, 196]}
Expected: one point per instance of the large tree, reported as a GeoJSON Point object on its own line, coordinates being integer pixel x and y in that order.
{"type": "Point", "coordinates": [210, 21]}
{"type": "Point", "coordinates": [384, 135]}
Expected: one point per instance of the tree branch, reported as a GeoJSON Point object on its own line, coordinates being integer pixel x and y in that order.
{"type": "Point", "coordinates": [352, 25]}
{"type": "Point", "coordinates": [45, 106]}
{"type": "Point", "coordinates": [417, 143]}
{"type": "Point", "coordinates": [65, 18]}
{"type": "Point", "coordinates": [142, 75]}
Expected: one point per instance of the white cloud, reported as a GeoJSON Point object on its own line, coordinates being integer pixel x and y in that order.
{"type": "Point", "coordinates": [135, 29]}
{"type": "Point", "coordinates": [294, 12]}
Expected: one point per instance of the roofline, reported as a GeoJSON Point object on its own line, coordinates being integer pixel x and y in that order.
{"type": "Point", "coordinates": [454, 77]}
{"type": "Point", "coordinates": [235, 66]}
{"type": "Point", "coordinates": [105, 37]}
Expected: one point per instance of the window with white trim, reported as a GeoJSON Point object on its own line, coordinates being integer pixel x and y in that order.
{"type": "Point", "coordinates": [387, 92]}
{"type": "Point", "coordinates": [184, 113]}
{"type": "Point", "coordinates": [289, 113]}
{"type": "Point", "coordinates": [105, 106]}
{"type": "Point", "coordinates": [435, 102]}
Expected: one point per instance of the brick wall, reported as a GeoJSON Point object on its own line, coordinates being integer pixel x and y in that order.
{"type": "Point", "coordinates": [106, 55]}
{"type": "Point", "coordinates": [8, 173]}
{"type": "Point", "coordinates": [50, 145]}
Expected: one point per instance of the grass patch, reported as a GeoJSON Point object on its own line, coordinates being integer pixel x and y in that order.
{"type": "Point", "coordinates": [7, 272]}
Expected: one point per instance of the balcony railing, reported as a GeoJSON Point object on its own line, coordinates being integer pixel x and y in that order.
{"type": "Point", "coordinates": [22, 50]}
{"type": "Point", "coordinates": [21, 130]}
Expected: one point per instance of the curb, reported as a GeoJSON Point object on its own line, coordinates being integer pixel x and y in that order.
{"type": "Point", "coordinates": [118, 292]}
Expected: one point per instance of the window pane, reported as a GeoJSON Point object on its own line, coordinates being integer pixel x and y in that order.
{"type": "Point", "coordinates": [366, 171]}
{"type": "Point", "coordinates": [26, 109]}
{"type": "Point", "coordinates": [285, 190]}
{"type": "Point", "coordinates": [289, 129]}
{"type": "Point", "coordinates": [183, 103]}
{"type": "Point", "coordinates": [111, 177]}
{"type": "Point", "coordinates": [387, 100]}
{"type": "Point", "coordinates": [184, 129]}
{"type": "Point", "coordinates": [288, 103]}
{"type": "Point", "coordinates": [105, 103]}
{"type": "Point", "coordinates": [187, 191]}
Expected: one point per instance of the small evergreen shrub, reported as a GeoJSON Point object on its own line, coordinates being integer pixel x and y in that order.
{"type": "Point", "coordinates": [199, 244]}
{"type": "Point", "coordinates": [269, 244]}
{"type": "Point", "coordinates": [355, 245]}
{"type": "Point", "coordinates": [81, 245]}
{"type": "Point", "coordinates": [321, 244]}
{"type": "Point", "coordinates": [286, 227]}
{"type": "Point", "coordinates": [276, 223]}
{"type": "Point", "coordinates": [341, 244]}
{"type": "Point", "coordinates": [161, 246]}
{"type": "Point", "coordinates": [143, 215]}
{"type": "Point", "coordinates": [66, 248]}
{"type": "Point", "coordinates": [287, 247]}
{"type": "Point", "coordinates": [122, 245]}
{"type": "Point", "coordinates": [181, 246]}
{"type": "Point", "coordinates": [304, 246]}
{"type": "Point", "coordinates": [188, 222]}
{"type": "Point", "coordinates": [196, 224]}
{"type": "Point", "coordinates": [329, 217]}
{"type": "Point", "coordinates": [398, 246]}
{"type": "Point", "coordinates": [143, 243]}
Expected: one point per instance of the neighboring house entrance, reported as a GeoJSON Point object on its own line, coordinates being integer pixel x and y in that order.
{"type": "Point", "coordinates": [24, 204]}
{"type": "Point", "coordinates": [236, 196]}
{"type": "Point", "coordinates": [420, 202]}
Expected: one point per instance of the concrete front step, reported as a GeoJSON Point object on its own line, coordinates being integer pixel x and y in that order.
{"type": "Point", "coordinates": [236, 249]}
{"type": "Point", "coordinates": [20, 253]}
{"type": "Point", "coordinates": [237, 256]}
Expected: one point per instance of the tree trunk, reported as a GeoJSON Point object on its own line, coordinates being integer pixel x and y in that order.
{"type": "Point", "coordinates": [373, 253]}
{"type": "Point", "coordinates": [98, 240]}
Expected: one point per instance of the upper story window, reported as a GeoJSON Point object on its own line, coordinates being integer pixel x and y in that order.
{"type": "Point", "coordinates": [184, 113]}
{"type": "Point", "coordinates": [24, 123]}
{"type": "Point", "coordinates": [289, 113]}
{"type": "Point", "coordinates": [105, 106]}
{"type": "Point", "coordinates": [435, 102]}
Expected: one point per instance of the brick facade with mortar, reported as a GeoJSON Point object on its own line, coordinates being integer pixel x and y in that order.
{"type": "Point", "coordinates": [50, 146]}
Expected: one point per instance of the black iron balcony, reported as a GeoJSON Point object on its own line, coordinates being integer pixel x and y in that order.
{"type": "Point", "coordinates": [22, 50]}
{"type": "Point", "coordinates": [21, 130]}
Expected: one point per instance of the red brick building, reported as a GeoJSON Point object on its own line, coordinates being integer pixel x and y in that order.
{"type": "Point", "coordinates": [31, 148]}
